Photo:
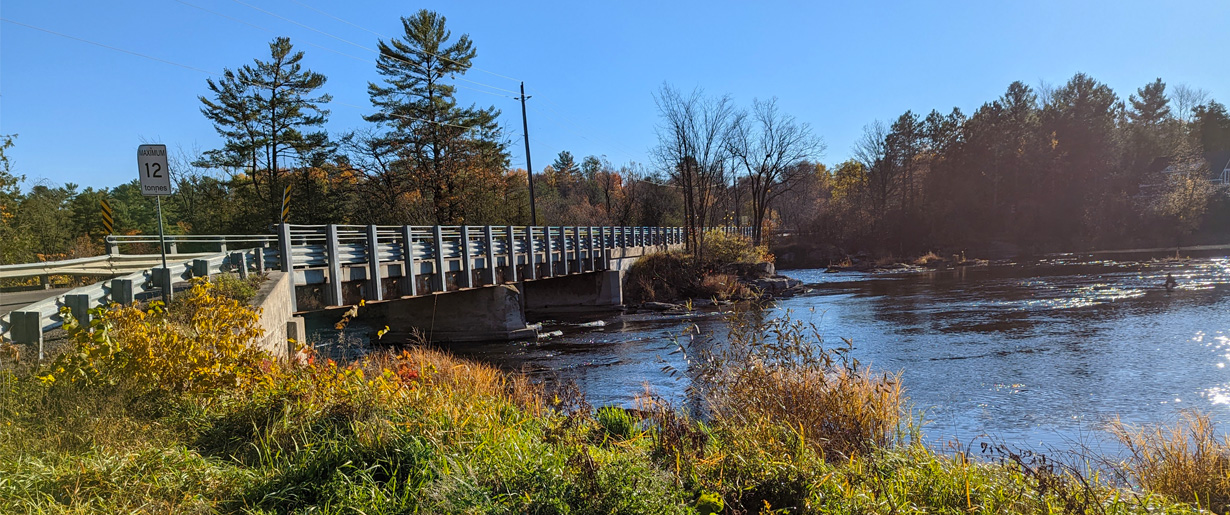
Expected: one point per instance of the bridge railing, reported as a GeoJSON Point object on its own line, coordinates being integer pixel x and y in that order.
{"type": "Point", "coordinates": [427, 259]}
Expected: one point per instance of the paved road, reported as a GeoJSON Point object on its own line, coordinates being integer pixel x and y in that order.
{"type": "Point", "coordinates": [16, 299]}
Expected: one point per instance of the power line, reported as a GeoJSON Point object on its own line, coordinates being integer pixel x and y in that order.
{"type": "Point", "coordinates": [207, 72]}
{"type": "Point", "coordinates": [109, 47]}
{"type": "Point", "coordinates": [253, 25]}
{"type": "Point", "coordinates": [386, 37]}
{"type": "Point", "coordinates": [278, 16]}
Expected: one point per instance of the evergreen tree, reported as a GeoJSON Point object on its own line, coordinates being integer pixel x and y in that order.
{"type": "Point", "coordinates": [268, 116]}
{"type": "Point", "coordinates": [1151, 107]}
{"type": "Point", "coordinates": [449, 149]}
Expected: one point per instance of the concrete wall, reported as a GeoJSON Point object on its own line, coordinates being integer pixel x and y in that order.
{"type": "Point", "coordinates": [276, 312]}
{"type": "Point", "coordinates": [489, 313]}
{"type": "Point", "coordinates": [575, 293]}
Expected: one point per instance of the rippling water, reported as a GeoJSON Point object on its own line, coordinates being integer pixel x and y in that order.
{"type": "Point", "coordinates": [1034, 353]}
{"type": "Point", "coordinates": [1038, 353]}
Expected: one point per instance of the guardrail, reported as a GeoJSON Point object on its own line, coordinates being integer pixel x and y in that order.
{"type": "Point", "coordinates": [26, 324]}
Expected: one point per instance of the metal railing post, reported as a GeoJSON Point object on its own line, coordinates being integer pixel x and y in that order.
{"type": "Point", "coordinates": [531, 256]}
{"type": "Point", "coordinates": [547, 250]}
{"type": "Point", "coordinates": [510, 273]}
{"type": "Point", "coordinates": [410, 283]}
{"type": "Point", "coordinates": [467, 266]}
{"type": "Point", "coordinates": [563, 248]}
{"type": "Point", "coordinates": [489, 241]}
{"type": "Point", "coordinates": [441, 284]}
{"type": "Point", "coordinates": [374, 280]}
{"type": "Point", "coordinates": [333, 292]}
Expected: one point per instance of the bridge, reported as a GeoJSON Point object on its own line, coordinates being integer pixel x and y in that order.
{"type": "Point", "coordinates": [450, 282]}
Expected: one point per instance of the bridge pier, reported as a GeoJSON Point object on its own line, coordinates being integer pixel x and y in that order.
{"type": "Point", "coordinates": [574, 293]}
{"type": "Point", "coordinates": [479, 314]}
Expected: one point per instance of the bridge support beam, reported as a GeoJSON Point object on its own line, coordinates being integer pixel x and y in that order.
{"type": "Point", "coordinates": [477, 314]}
{"type": "Point", "coordinates": [575, 293]}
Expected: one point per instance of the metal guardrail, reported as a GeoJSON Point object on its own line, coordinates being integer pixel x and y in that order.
{"type": "Point", "coordinates": [26, 324]}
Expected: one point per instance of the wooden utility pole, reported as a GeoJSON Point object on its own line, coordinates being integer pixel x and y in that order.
{"type": "Point", "coordinates": [525, 130]}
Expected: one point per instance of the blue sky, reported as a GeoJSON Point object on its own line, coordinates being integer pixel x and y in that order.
{"type": "Point", "coordinates": [591, 67]}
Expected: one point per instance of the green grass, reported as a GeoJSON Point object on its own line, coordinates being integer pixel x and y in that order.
{"type": "Point", "coordinates": [424, 432]}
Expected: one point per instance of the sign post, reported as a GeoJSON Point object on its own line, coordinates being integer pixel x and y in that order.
{"type": "Point", "coordinates": [155, 178]}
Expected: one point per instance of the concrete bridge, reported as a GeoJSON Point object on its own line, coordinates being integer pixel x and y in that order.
{"type": "Point", "coordinates": [450, 282]}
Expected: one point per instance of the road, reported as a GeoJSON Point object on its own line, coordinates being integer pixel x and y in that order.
{"type": "Point", "coordinates": [16, 299]}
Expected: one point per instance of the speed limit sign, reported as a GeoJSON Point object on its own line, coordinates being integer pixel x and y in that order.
{"type": "Point", "coordinates": [152, 168]}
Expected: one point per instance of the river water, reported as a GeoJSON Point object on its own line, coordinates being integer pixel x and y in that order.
{"type": "Point", "coordinates": [1037, 354]}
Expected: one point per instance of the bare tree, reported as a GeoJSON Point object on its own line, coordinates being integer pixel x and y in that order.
{"type": "Point", "coordinates": [1186, 99]}
{"type": "Point", "coordinates": [871, 150]}
{"type": "Point", "coordinates": [768, 144]}
{"type": "Point", "coordinates": [387, 191]}
{"type": "Point", "coordinates": [693, 149]}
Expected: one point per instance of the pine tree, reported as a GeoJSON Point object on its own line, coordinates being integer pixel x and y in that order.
{"type": "Point", "coordinates": [264, 111]}
{"type": "Point", "coordinates": [441, 142]}
{"type": "Point", "coordinates": [1151, 107]}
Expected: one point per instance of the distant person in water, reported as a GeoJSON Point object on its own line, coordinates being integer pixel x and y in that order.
{"type": "Point", "coordinates": [1170, 282]}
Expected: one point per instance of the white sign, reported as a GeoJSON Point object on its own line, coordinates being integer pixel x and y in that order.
{"type": "Point", "coordinates": [152, 168]}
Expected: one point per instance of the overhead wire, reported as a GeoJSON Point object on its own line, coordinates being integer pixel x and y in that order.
{"type": "Point", "coordinates": [360, 27]}
{"type": "Point", "coordinates": [266, 29]}
{"type": "Point", "coordinates": [369, 49]}
{"type": "Point", "coordinates": [208, 72]}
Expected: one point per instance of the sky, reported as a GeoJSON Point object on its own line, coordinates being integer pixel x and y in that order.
{"type": "Point", "coordinates": [80, 110]}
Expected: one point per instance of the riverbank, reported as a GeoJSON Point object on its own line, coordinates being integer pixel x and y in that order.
{"type": "Point", "coordinates": [796, 428]}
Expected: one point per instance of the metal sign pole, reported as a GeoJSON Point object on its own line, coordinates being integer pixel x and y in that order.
{"type": "Point", "coordinates": [162, 246]}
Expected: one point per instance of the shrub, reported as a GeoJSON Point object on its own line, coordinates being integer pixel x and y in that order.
{"type": "Point", "coordinates": [205, 346]}
{"type": "Point", "coordinates": [231, 286]}
{"type": "Point", "coordinates": [724, 249]}
{"type": "Point", "coordinates": [616, 422]}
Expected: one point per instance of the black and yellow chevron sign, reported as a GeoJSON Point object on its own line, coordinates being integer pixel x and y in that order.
{"type": "Point", "coordinates": [286, 204]}
{"type": "Point", "coordinates": [108, 219]}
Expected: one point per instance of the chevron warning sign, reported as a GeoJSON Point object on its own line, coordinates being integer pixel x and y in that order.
{"type": "Point", "coordinates": [286, 204]}
{"type": "Point", "coordinates": [108, 219]}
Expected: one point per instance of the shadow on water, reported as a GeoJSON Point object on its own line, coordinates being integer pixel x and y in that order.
{"type": "Point", "coordinates": [1036, 354]}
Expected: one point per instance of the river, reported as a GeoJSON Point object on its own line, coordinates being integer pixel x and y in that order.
{"type": "Point", "coordinates": [1036, 354]}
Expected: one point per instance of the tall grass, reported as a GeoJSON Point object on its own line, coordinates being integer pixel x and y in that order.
{"type": "Point", "coordinates": [1187, 460]}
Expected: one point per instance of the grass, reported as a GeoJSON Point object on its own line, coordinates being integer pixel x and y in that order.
{"type": "Point", "coordinates": [801, 429]}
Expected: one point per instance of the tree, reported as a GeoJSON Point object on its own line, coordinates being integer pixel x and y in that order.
{"type": "Point", "coordinates": [1186, 100]}
{"type": "Point", "coordinates": [1212, 127]}
{"type": "Point", "coordinates": [1151, 107]}
{"type": "Point", "coordinates": [768, 145]}
{"type": "Point", "coordinates": [265, 112]}
{"type": "Point", "coordinates": [693, 149]}
{"type": "Point", "coordinates": [1187, 193]}
{"type": "Point", "coordinates": [448, 149]}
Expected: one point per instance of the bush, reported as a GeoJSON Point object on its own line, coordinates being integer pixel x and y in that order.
{"type": "Point", "coordinates": [723, 249]}
{"type": "Point", "coordinates": [231, 286]}
{"type": "Point", "coordinates": [206, 345]}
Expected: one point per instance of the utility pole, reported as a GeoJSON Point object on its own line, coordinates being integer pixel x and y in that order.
{"type": "Point", "coordinates": [525, 130]}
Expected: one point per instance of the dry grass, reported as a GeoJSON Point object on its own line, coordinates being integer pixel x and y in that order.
{"type": "Point", "coordinates": [778, 374]}
{"type": "Point", "coordinates": [928, 259]}
{"type": "Point", "coordinates": [1187, 461]}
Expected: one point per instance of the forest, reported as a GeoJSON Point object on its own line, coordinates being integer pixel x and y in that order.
{"type": "Point", "coordinates": [1046, 168]}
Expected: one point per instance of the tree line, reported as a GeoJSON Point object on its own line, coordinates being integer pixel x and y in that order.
{"type": "Point", "coordinates": [1052, 168]}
